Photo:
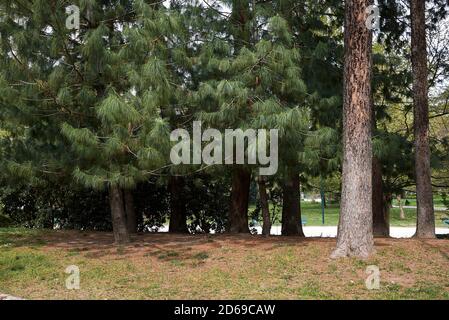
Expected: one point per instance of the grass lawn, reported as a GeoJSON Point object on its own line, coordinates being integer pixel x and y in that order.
{"type": "Point", "coordinates": [311, 212]}
{"type": "Point", "coordinates": [164, 266]}
{"type": "Point", "coordinates": [437, 201]}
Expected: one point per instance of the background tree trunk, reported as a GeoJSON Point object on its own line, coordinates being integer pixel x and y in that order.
{"type": "Point", "coordinates": [425, 225]}
{"type": "Point", "coordinates": [131, 219]}
{"type": "Point", "coordinates": [119, 227]}
{"type": "Point", "coordinates": [266, 228]}
{"type": "Point", "coordinates": [355, 227]}
{"type": "Point", "coordinates": [381, 219]}
{"type": "Point", "coordinates": [238, 214]}
{"type": "Point", "coordinates": [291, 206]}
{"type": "Point", "coordinates": [178, 214]}
{"type": "Point", "coordinates": [401, 208]}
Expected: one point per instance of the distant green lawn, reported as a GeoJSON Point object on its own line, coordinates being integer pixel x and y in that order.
{"type": "Point", "coordinates": [311, 214]}
{"type": "Point", "coordinates": [411, 201]}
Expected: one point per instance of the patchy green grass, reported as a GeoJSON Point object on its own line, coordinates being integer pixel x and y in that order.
{"type": "Point", "coordinates": [201, 255]}
{"type": "Point", "coordinates": [19, 236]}
{"type": "Point", "coordinates": [163, 266]}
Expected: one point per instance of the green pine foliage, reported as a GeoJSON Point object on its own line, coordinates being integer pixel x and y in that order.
{"type": "Point", "coordinates": [95, 106]}
{"type": "Point", "coordinates": [100, 91]}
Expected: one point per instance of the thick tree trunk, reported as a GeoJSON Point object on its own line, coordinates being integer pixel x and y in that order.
{"type": "Point", "coordinates": [238, 213]}
{"type": "Point", "coordinates": [119, 227]}
{"type": "Point", "coordinates": [425, 225]}
{"type": "Point", "coordinates": [178, 215]}
{"type": "Point", "coordinates": [381, 219]}
{"type": "Point", "coordinates": [241, 178]}
{"type": "Point", "coordinates": [131, 219]}
{"type": "Point", "coordinates": [291, 206]}
{"type": "Point", "coordinates": [355, 228]}
{"type": "Point", "coordinates": [266, 228]}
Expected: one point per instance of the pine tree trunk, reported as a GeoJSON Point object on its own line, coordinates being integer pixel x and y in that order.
{"type": "Point", "coordinates": [131, 219]}
{"type": "Point", "coordinates": [381, 217]}
{"type": "Point", "coordinates": [381, 222]}
{"type": "Point", "coordinates": [425, 226]}
{"type": "Point", "coordinates": [238, 214]}
{"type": "Point", "coordinates": [178, 215]}
{"type": "Point", "coordinates": [355, 228]}
{"type": "Point", "coordinates": [241, 178]}
{"type": "Point", "coordinates": [119, 227]}
{"type": "Point", "coordinates": [266, 228]}
{"type": "Point", "coordinates": [291, 206]}
{"type": "Point", "coordinates": [240, 18]}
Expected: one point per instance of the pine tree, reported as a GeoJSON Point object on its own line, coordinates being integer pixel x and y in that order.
{"type": "Point", "coordinates": [381, 223]}
{"type": "Point", "coordinates": [425, 225]}
{"type": "Point", "coordinates": [314, 28]}
{"type": "Point", "coordinates": [262, 89]}
{"type": "Point", "coordinates": [241, 177]}
{"type": "Point", "coordinates": [223, 98]}
{"type": "Point", "coordinates": [355, 236]}
{"type": "Point", "coordinates": [102, 89]}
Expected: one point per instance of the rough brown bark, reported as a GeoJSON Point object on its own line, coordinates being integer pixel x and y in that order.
{"type": "Point", "coordinates": [131, 219]}
{"type": "Point", "coordinates": [291, 206]}
{"type": "Point", "coordinates": [425, 224]}
{"type": "Point", "coordinates": [119, 227]}
{"type": "Point", "coordinates": [381, 217]}
{"type": "Point", "coordinates": [355, 227]}
{"type": "Point", "coordinates": [266, 228]}
{"type": "Point", "coordinates": [241, 178]}
{"type": "Point", "coordinates": [238, 213]}
{"type": "Point", "coordinates": [178, 215]}
{"type": "Point", "coordinates": [240, 18]}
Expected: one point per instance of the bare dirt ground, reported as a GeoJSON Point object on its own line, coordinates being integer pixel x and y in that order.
{"type": "Point", "coordinates": [165, 266]}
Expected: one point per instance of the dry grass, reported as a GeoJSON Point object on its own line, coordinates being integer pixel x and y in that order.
{"type": "Point", "coordinates": [163, 266]}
